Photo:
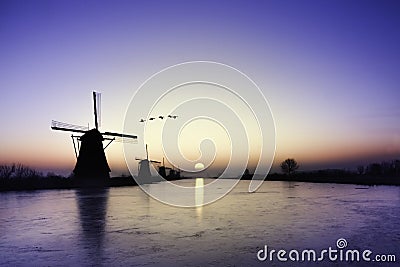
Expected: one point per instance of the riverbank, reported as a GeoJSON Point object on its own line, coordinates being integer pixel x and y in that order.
{"type": "Point", "coordinates": [17, 177]}
{"type": "Point", "coordinates": [54, 182]}
{"type": "Point", "coordinates": [335, 176]}
{"type": "Point", "coordinates": [354, 179]}
{"type": "Point", "coordinates": [59, 182]}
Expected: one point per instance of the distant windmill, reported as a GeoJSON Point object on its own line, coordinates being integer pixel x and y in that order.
{"type": "Point", "coordinates": [144, 174]}
{"type": "Point", "coordinates": [173, 174]}
{"type": "Point", "coordinates": [91, 167]}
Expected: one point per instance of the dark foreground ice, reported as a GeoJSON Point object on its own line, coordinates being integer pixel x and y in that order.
{"type": "Point", "coordinates": [125, 227]}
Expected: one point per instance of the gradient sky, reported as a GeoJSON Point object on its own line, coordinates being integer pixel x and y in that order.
{"type": "Point", "coordinates": [329, 69]}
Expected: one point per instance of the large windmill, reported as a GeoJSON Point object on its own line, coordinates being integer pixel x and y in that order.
{"type": "Point", "coordinates": [91, 165]}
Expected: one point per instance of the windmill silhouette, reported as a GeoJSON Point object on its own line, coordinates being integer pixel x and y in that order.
{"type": "Point", "coordinates": [144, 175]}
{"type": "Point", "coordinates": [173, 173]}
{"type": "Point", "coordinates": [91, 167]}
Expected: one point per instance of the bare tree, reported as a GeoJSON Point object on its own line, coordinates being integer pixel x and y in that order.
{"type": "Point", "coordinates": [289, 166]}
{"type": "Point", "coordinates": [6, 171]}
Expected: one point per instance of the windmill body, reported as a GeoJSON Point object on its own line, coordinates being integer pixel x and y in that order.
{"type": "Point", "coordinates": [162, 172]}
{"type": "Point", "coordinates": [172, 173]}
{"type": "Point", "coordinates": [144, 174]}
{"type": "Point", "coordinates": [144, 170]}
{"type": "Point", "coordinates": [91, 167]}
{"type": "Point", "coordinates": [91, 164]}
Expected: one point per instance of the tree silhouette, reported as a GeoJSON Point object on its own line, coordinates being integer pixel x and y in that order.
{"type": "Point", "coordinates": [6, 171]}
{"type": "Point", "coordinates": [289, 166]}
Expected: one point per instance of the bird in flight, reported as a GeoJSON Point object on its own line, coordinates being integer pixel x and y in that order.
{"type": "Point", "coordinates": [160, 117]}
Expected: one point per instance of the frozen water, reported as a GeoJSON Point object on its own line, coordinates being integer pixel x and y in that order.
{"type": "Point", "coordinates": [124, 226]}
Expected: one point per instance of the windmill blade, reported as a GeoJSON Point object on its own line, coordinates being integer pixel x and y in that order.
{"type": "Point", "coordinates": [123, 136]}
{"type": "Point", "coordinates": [119, 139]}
{"type": "Point", "coordinates": [97, 109]}
{"type": "Point", "coordinates": [62, 126]}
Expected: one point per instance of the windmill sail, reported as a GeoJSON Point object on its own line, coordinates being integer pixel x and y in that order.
{"type": "Point", "coordinates": [95, 110]}
{"type": "Point", "coordinates": [123, 138]}
{"type": "Point", "coordinates": [62, 126]}
{"type": "Point", "coordinates": [97, 97]}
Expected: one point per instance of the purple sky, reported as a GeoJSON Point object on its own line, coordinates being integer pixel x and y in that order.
{"type": "Point", "coordinates": [329, 69]}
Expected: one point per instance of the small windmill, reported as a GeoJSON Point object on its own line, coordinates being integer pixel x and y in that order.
{"type": "Point", "coordinates": [172, 175]}
{"type": "Point", "coordinates": [91, 164]}
{"type": "Point", "coordinates": [144, 174]}
{"type": "Point", "coordinates": [143, 166]}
